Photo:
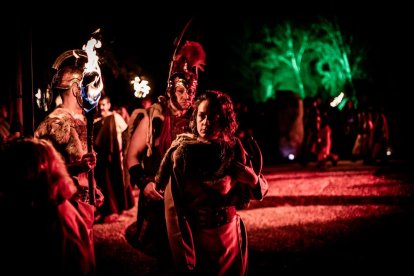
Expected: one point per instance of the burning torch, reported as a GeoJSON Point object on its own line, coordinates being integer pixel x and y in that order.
{"type": "Point", "coordinates": [91, 87]}
{"type": "Point", "coordinates": [141, 87]}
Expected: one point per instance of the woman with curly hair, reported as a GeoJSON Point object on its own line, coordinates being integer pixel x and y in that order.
{"type": "Point", "coordinates": [206, 177]}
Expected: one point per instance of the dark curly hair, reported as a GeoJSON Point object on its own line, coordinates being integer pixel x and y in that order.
{"type": "Point", "coordinates": [222, 104]}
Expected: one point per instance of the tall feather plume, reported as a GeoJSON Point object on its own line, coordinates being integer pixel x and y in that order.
{"type": "Point", "coordinates": [191, 57]}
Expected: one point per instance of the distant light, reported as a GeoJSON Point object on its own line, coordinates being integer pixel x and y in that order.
{"type": "Point", "coordinates": [337, 100]}
{"type": "Point", "coordinates": [389, 151]}
{"type": "Point", "coordinates": [291, 156]}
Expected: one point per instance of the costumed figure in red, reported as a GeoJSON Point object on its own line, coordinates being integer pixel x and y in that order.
{"type": "Point", "coordinates": [207, 177]}
{"type": "Point", "coordinates": [156, 128]}
{"type": "Point", "coordinates": [66, 128]}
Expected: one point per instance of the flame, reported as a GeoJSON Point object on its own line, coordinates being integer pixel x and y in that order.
{"type": "Point", "coordinates": [43, 99]}
{"type": "Point", "coordinates": [38, 97]}
{"type": "Point", "coordinates": [92, 83]}
{"type": "Point", "coordinates": [141, 87]}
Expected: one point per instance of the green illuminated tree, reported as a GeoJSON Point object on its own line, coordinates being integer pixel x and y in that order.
{"type": "Point", "coordinates": [334, 63]}
{"type": "Point", "coordinates": [280, 56]}
{"type": "Point", "coordinates": [306, 60]}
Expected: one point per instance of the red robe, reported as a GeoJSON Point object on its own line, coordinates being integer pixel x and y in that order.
{"type": "Point", "coordinates": [205, 233]}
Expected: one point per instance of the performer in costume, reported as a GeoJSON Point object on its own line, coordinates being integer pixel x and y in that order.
{"type": "Point", "coordinates": [66, 128]}
{"type": "Point", "coordinates": [156, 128]}
{"type": "Point", "coordinates": [206, 178]}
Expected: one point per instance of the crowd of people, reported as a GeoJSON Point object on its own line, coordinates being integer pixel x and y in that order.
{"type": "Point", "coordinates": [188, 155]}
{"type": "Point", "coordinates": [56, 171]}
{"type": "Point", "coordinates": [351, 134]}
{"type": "Point", "coordinates": [191, 156]}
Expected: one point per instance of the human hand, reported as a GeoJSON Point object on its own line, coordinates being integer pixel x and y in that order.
{"type": "Point", "coordinates": [245, 174]}
{"type": "Point", "coordinates": [99, 197]}
{"type": "Point", "coordinates": [88, 161]}
{"type": "Point", "coordinates": [150, 191]}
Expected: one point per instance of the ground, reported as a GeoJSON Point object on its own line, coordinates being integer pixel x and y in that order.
{"type": "Point", "coordinates": [348, 218]}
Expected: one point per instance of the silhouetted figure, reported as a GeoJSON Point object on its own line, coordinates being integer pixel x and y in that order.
{"type": "Point", "coordinates": [42, 232]}
{"type": "Point", "coordinates": [324, 143]}
{"type": "Point", "coordinates": [349, 129]}
{"type": "Point", "coordinates": [363, 141]}
{"type": "Point", "coordinates": [380, 137]}
{"type": "Point", "coordinates": [109, 171]}
{"type": "Point", "coordinates": [310, 124]}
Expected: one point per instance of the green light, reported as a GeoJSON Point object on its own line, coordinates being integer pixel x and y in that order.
{"type": "Point", "coordinates": [307, 61]}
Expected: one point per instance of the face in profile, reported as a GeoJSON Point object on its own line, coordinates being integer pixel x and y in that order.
{"type": "Point", "coordinates": [207, 121]}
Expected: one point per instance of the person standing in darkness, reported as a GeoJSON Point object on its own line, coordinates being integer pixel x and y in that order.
{"type": "Point", "coordinates": [109, 171]}
{"type": "Point", "coordinates": [44, 232]}
{"type": "Point", "coordinates": [66, 128]}
{"type": "Point", "coordinates": [157, 128]}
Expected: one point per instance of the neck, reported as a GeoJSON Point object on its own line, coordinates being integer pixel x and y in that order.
{"type": "Point", "coordinates": [73, 108]}
{"type": "Point", "coordinates": [106, 113]}
{"type": "Point", "coordinates": [176, 111]}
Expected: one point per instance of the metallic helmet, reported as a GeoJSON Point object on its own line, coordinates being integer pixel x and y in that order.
{"type": "Point", "coordinates": [185, 66]}
{"type": "Point", "coordinates": [69, 69]}
{"type": "Point", "coordinates": [185, 79]}
{"type": "Point", "coordinates": [67, 76]}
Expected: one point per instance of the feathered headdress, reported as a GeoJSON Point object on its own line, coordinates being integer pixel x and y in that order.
{"type": "Point", "coordinates": [186, 64]}
{"type": "Point", "coordinates": [184, 68]}
{"type": "Point", "coordinates": [191, 57]}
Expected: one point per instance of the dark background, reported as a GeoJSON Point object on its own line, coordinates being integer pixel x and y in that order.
{"type": "Point", "coordinates": [144, 37]}
{"type": "Point", "coordinates": [141, 39]}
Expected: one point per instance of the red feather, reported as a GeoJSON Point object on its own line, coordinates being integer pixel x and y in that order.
{"type": "Point", "coordinates": [190, 57]}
